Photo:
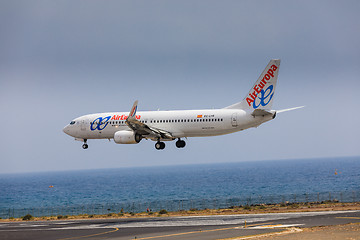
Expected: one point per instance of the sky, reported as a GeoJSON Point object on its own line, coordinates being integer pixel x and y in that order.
{"type": "Point", "coordinates": [63, 59]}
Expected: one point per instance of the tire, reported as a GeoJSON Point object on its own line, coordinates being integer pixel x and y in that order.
{"type": "Point", "coordinates": [180, 143]}
{"type": "Point", "coordinates": [85, 146]}
{"type": "Point", "coordinates": [158, 145]}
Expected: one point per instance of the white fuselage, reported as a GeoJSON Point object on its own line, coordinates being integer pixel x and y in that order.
{"type": "Point", "coordinates": [181, 123]}
{"type": "Point", "coordinates": [131, 127]}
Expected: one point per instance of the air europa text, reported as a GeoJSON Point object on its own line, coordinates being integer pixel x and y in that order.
{"type": "Point", "coordinates": [123, 117]}
{"type": "Point", "coordinates": [258, 87]}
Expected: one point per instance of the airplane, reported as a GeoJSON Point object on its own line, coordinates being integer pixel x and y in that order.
{"type": "Point", "coordinates": [160, 126]}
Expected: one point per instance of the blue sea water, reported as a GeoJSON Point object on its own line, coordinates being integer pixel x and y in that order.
{"type": "Point", "coordinates": [212, 181]}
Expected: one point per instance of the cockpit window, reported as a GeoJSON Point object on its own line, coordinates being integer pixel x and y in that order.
{"type": "Point", "coordinates": [72, 122]}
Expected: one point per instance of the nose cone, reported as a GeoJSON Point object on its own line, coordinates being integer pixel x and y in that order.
{"type": "Point", "coordinates": [66, 130]}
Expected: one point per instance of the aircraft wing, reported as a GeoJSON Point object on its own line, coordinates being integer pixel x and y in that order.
{"type": "Point", "coordinates": [142, 128]}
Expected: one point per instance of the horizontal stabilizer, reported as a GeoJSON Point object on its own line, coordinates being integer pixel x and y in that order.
{"type": "Point", "coordinates": [289, 109]}
{"type": "Point", "coordinates": [262, 112]}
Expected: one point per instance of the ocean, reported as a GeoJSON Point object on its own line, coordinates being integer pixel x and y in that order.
{"type": "Point", "coordinates": [200, 186]}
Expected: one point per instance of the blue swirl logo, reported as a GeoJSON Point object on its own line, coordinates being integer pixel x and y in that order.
{"type": "Point", "coordinates": [100, 123]}
{"type": "Point", "coordinates": [264, 97]}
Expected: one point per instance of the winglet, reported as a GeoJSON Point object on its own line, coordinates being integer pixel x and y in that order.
{"type": "Point", "coordinates": [133, 110]}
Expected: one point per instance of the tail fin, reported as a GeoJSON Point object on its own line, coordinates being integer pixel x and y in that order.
{"type": "Point", "coordinates": [262, 93]}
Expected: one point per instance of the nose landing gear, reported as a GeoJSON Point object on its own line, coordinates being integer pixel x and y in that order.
{"type": "Point", "coordinates": [85, 146]}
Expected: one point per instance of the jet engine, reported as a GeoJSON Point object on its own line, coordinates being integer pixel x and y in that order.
{"type": "Point", "coordinates": [126, 137]}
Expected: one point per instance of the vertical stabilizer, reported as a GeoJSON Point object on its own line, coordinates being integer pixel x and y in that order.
{"type": "Point", "coordinates": [261, 95]}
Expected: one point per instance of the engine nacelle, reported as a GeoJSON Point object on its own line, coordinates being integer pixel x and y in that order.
{"type": "Point", "coordinates": [126, 137]}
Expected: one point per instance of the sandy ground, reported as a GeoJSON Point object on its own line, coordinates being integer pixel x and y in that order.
{"type": "Point", "coordinates": [272, 208]}
{"type": "Point", "coordinates": [339, 232]}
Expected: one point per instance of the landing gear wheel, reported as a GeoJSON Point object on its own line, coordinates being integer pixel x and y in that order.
{"type": "Point", "coordinates": [85, 146]}
{"type": "Point", "coordinates": [159, 145]}
{"type": "Point", "coordinates": [180, 143]}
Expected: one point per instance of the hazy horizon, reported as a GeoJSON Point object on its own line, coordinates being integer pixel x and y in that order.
{"type": "Point", "coordinates": [180, 165]}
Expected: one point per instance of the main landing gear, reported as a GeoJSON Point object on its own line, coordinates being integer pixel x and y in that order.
{"type": "Point", "coordinates": [159, 145]}
{"type": "Point", "coordinates": [180, 143]}
{"type": "Point", "coordinates": [85, 146]}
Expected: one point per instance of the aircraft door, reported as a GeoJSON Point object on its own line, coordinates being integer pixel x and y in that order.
{"type": "Point", "coordinates": [234, 120]}
{"type": "Point", "coordinates": [83, 125]}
